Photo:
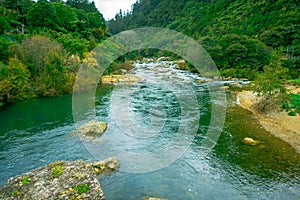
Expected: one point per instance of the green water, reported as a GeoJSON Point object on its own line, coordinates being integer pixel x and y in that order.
{"type": "Point", "coordinates": [37, 132]}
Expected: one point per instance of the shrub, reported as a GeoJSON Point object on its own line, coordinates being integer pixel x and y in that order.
{"type": "Point", "coordinates": [270, 85]}
{"type": "Point", "coordinates": [13, 81]}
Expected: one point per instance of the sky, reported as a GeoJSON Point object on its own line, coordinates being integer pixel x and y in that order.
{"type": "Point", "coordinates": [109, 8]}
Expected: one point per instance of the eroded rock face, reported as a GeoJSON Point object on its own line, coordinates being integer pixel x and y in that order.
{"type": "Point", "coordinates": [58, 180]}
{"type": "Point", "coordinates": [92, 128]}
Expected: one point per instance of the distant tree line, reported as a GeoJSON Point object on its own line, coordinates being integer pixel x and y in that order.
{"type": "Point", "coordinates": [239, 35]}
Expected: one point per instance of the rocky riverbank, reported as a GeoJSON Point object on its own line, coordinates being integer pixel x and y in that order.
{"type": "Point", "coordinates": [60, 180]}
{"type": "Point", "coordinates": [280, 124]}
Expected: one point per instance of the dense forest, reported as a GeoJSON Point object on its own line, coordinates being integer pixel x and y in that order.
{"type": "Point", "coordinates": [42, 45]}
{"type": "Point", "coordinates": [240, 35]}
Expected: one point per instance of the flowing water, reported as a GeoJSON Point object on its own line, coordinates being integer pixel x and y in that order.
{"type": "Point", "coordinates": [38, 132]}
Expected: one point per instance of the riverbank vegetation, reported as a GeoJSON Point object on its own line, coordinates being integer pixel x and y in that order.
{"type": "Point", "coordinates": [43, 44]}
{"type": "Point", "coordinates": [240, 36]}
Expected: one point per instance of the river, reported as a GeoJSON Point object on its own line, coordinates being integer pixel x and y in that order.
{"type": "Point", "coordinates": [38, 132]}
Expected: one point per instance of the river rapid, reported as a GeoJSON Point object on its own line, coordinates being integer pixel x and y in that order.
{"type": "Point", "coordinates": [38, 132]}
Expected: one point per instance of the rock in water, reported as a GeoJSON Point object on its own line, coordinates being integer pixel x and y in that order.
{"type": "Point", "coordinates": [58, 180]}
{"type": "Point", "coordinates": [250, 141]}
{"type": "Point", "coordinates": [114, 79]}
{"type": "Point", "coordinates": [92, 128]}
{"type": "Point", "coordinates": [107, 165]}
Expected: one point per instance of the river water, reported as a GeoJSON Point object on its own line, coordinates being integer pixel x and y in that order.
{"type": "Point", "coordinates": [38, 132]}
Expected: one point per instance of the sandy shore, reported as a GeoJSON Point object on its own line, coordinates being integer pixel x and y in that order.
{"type": "Point", "coordinates": [280, 124]}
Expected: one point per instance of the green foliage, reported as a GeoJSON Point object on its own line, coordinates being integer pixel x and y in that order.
{"type": "Point", "coordinates": [25, 180]}
{"type": "Point", "coordinates": [42, 15]}
{"type": "Point", "coordinates": [57, 171]}
{"type": "Point", "coordinates": [33, 52]}
{"type": "Point", "coordinates": [270, 84]}
{"type": "Point", "coordinates": [293, 65]}
{"type": "Point", "coordinates": [292, 106]}
{"type": "Point", "coordinates": [96, 20]}
{"type": "Point", "coordinates": [296, 81]}
{"type": "Point", "coordinates": [4, 45]}
{"type": "Point", "coordinates": [81, 188]}
{"type": "Point", "coordinates": [66, 16]}
{"type": "Point", "coordinates": [238, 56]}
{"type": "Point", "coordinates": [75, 45]}
{"type": "Point", "coordinates": [52, 81]}
{"type": "Point", "coordinates": [83, 4]}
{"type": "Point", "coordinates": [292, 113]}
{"type": "Point", "coordinates": [45, 61]}
{"type": "Point", "coordinates": [13, 81]}
{"type": "Point", "coordinates": [16, 192]}
{"type": "Point", "coordinates": [3, 25]}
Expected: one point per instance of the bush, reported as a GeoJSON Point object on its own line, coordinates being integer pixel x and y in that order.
{"type": "Point", "coordinates": [270, 85]}
{"type": "Point", "coordinates": [3, 25]}
{"type": "Point", "coordinates": [13, 81]}
{"type": "Point", "coordinates": [4, 45]}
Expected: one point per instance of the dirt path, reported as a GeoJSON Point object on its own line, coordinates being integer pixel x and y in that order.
{"type": "Point", "coordinates": [279, 124]}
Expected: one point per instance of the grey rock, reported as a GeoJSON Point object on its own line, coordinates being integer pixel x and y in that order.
{"type": "Point", "coordinates": [58, 180]}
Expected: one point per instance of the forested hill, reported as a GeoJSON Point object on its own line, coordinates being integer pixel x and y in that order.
{"type": "Point", "coordinates": [43, 43]}
{"type": "Point", "coordinates": [239, 34]}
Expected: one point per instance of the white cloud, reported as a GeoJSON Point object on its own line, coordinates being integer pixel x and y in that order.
{"type": "Point", "coordinates": [109, 8]}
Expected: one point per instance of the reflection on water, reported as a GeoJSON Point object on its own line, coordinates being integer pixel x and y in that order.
{"type": "Point", "coordinates": [36, 133]}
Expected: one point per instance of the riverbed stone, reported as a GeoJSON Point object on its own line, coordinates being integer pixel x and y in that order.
{"type": "Point", "coordinates": [250, 141]}
{"type": "Point", "coordinates": [113, 79]}
{"type": "Point", "coordinates": [92, 128]}
{"type": "Point", "coordinates": [58, 180]}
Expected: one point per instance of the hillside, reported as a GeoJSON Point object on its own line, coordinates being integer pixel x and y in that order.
{"type": "Point", "coordinates": [239, 35]}
{"type": "Point", "coordinates": [43, 44]}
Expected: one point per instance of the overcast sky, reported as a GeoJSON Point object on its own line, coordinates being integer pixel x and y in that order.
{"type": "Point", "coordinates": [109, 8]}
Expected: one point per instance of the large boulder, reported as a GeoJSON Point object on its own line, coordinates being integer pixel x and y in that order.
{"type": "Point", "coordinates": [92, 128]}
{"type": "Point", "coordinates": [58, 180]}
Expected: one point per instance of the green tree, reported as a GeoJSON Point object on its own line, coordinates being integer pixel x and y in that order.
{"type": "Point", "coordinates": [270, 84]}
{"type": "Point", "coordinates": [33, 52]}
{"type": "Point", "coordinates": [3, 25]}
{"type": "Point", "coordinates": [52, 81]}
{"type": "Point", "coordinates": [66, 16]}
{"type": "Point", "coordinates": [4, 45]}
{"type": "Point", "coordinates": [74, 45]}
{"type": "Point", "coordinates": [42, 15]}
{"type": "Point", "coordinates": [96, 20]}
{"type": "Point", "coordinates": [13, 81]}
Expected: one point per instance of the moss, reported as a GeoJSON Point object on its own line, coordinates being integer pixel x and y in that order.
{"type": "Point", "coordinates": [81, 188]}
{"type": "Point", "coordinates": [57, 171]}
{"type": "Point", "coordinates": [16, 192]}
{"type": "Point", "coordinates": [25, 180]}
